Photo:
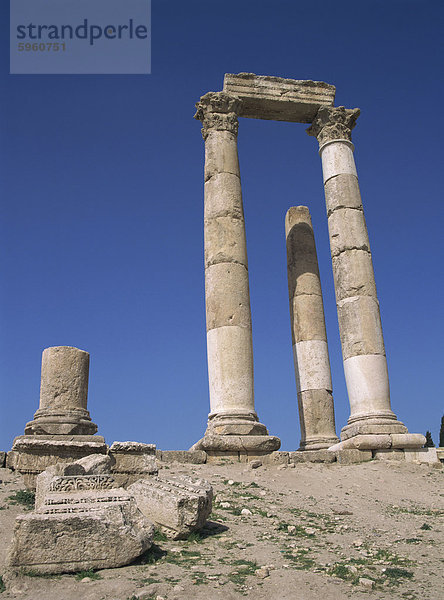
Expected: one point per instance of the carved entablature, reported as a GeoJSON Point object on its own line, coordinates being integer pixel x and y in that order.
{"type": "Point", "coordinates": [218, 111]}
{"type": "Point", "coordinates": [69, 483]}
{"type": "Point", "coordinates": [333, 123]}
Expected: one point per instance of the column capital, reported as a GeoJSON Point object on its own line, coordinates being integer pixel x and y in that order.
{"type": "Point", "coordinates": [333, 123]}
{"type": "Point", "coordinates": [218, 111]}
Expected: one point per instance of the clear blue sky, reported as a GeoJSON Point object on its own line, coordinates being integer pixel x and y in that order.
{"type": "Point", "coordinates": [102, 209]}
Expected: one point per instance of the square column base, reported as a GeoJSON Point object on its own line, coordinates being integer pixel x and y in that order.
{"type": "Point", "coordinates": [236, 447]}
{"type": "Point", "coordinates": [32, 454]}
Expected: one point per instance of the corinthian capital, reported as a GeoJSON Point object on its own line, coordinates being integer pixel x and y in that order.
{"type": "Point", "coordinates": [218, 111]}
{"type": "Point", "coordinates": [333, 123]}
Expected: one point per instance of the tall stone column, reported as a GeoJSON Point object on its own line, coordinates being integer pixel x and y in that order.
{"type": "Point", "coordinates": [228, 316]}
{"type": "Point", "coordinates": [309, 336]}
{"type": "Point", "coordinates": [360, 327]}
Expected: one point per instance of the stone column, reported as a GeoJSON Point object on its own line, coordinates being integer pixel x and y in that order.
{"type": "Point", "coordinates": [62, 430]}
{"type": "Point", "coordinates": [228, 316]}
{"type": "Point", "coordinates": [309, 336]}
{"type": "Point", "coordinates": [63, 394]}
{"type": "Point", "coordinates": [360, 328]}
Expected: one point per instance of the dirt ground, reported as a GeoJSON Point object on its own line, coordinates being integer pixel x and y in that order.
{"type": "Point", "coordinates": [370, 531]}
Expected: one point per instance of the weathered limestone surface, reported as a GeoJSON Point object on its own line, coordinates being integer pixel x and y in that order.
{"type": "Point", "coordinates": [62, 430]}
{"type": "Point", "coordinates": [421, 455]}
{"type": "Point", "coordinates": [133, 460]}
{"type": "Point", "coordinates": [63, 394]}
{"type": "Point", "coordinates": [315, 456]}
{"type": "Point", "coordinates": [309, 336]}
{"type": "Point", "coordinates": [30, 455]}
{"type": "Point", "coordinates": [178, 504]}
{"type": "Point", "coordinates": [2, 459]}
{"type": "Point", "coordinates": [228, 315]}
{"type": "Point", "coordinates": [351, 456]}
{"type": "Point", "coordinates": [359, 319]}
{"type": "Point", "coordinates": [82, 521]}
{"type": "Point", "coordinates": [195, 457]}
{"type": "Point", "coordinates": [265, 97]}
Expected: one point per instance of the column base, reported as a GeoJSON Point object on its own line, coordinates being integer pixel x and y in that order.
{"type": "Point", "coordinates": [381, 442]}
{"type": "Point", "coordinates": [235, 423]}
{"type": "Point", "coordinates": [32, 454]}
{"type": "Point", "coordinates": [372, 425]}
{"type": "Point", "coordinates": [75, 421]}
{"type": "Point", "coordinates": [236, 445]}
{"type": "Point", "coordinates": [319, 443]}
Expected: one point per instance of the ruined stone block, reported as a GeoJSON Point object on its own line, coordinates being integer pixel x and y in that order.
{"type": "Point", "coordinates": [179, 505]}
{"type": "Point", "coordinates": [2, 459]}
{"type": "Point", "coordinates": [265, 97]}
{"type": "Point", "coordinates": [31, 455]}
{"type": "Point", "coordinates": [195, 457]}
{"type": "Point", "coordinates": [81, 537]}
{"type": "Point", "coordinates": [351, 456]}
{"type": "Point", "coordinates": [80, 522]}
{"type": "Point", "coordinates": [312, 456]}
{"type": "Point", "coordinates": [133, 460]}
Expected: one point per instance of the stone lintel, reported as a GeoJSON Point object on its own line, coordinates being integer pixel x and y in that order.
{"type": "Point", "coordinates": [279, 99]}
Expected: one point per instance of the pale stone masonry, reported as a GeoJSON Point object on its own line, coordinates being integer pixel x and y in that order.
{"type": "Point", "coordinates": [309, 336]}
{"type": "Point", "coordinates": [228, 315]}
{"type": "Point", "coordinates": [62, 430]}
{"type": "Point", "coordinates": [63, 394]}
{"type": "Point", "coordinates": [360, 328]}
{"type": "Point", "coordinates": [233, 426]}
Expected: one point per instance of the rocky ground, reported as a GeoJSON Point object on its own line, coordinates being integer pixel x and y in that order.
{"type": "Point", "coordinates": [370, 531]}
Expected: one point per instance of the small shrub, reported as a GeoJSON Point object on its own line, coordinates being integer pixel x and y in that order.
{"type": "Point", "coordinates": [2, 585]}
{"type": "Point", "coordinates": [24, 497]}
{"type": "Point", "coordinates": [397, 573]}
{"type": "Point", "coordinates": [90, 573]}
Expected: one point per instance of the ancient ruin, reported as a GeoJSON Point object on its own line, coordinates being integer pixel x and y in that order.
{"type": "Point", "coordinates": [309, 336]}
{"type": "Point", "coordinates": [233, 424]}
{"type": "Point", "coordinates": [62, 430]}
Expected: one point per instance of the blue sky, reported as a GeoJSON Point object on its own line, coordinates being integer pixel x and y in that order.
{"type": "Point", "coordinates": [102, 208]}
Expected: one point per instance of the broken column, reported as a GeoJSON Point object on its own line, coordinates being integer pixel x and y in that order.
{"type": "Point", "coordinates": [63, 394]}
{"type": "Point", "coordinates": [360, 327]}
{"type": "Point", "coordinates": [228, 316]}
{"type": "Point", "coordinates": [62, 429]}
{"type": "Point", "coordinates": [309, 336]}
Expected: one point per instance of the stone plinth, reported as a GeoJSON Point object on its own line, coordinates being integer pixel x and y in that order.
{"type": "Point", "coordinates": [30, 455]}
{"type": "Point", "coordinates": [309, 336]}
{"type": "Point", "coordinates": [63, 394]}
{"type": "Point", "coordinates": [133, 461]}
{"type": "Point", "coordinates": [279, 99]}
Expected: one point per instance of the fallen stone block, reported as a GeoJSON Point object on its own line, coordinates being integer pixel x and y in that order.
{"type": "Point", "coordinates": [84, 539]}
{"type": "Point", "coordinates": [179, 505]}
{"type": "Point", "coordinates": [133, 460]}
{"type": "Point", "coordinates": [82, 521]}
{"type": "Point", "coordinates": [2, 459]}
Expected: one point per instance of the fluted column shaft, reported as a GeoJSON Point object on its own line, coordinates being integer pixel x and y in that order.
{"type": "Point", "coordinates": [309, 336]}
{"type": "Point", "coordinates": [360, 328]}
